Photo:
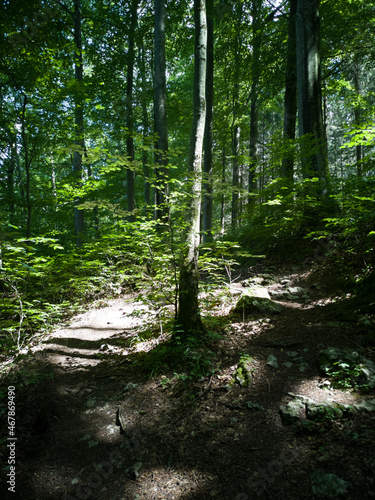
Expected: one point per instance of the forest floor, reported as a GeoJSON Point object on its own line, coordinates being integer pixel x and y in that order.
{"type": "Point", "coordinates": [184, 439]}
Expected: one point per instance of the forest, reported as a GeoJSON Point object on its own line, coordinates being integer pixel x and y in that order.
{"type": "Point", "coordinates": [207, 167]}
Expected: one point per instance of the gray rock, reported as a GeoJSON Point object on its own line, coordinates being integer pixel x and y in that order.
{"type": "Point", "coordinates": [256, 300]}
{"type": "Point", "coordinates": [272, 361]}
{"type": "Point", "coordinates": [291, 412]}
{"type": "Point", "coordinates": [366, 405]}
{"type": "Point", "coordinates": [296, 290]}
{"type": "Point", "coordinates": [325, 411]}
{"type": "Point", "coordinates": [254, 406]}
{"type": "Point", "coordinates": [288, 364]}
{"type": "Point", "coordinates": [327, 485]}
{"type": "Point", "coordinates": [280, 295]}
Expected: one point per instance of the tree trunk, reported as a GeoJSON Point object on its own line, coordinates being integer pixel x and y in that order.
{"type": "Point", "coordinates": [145, 124]}
{"type": "Point", "coordinates": [235, 167]}
{"type": "Point", "coordinates": [208, 134]}
{"type": "Point", "coordinates": [160, 107]}
{"type": "Point", "coordinates": [189, 319]}
{"type": "Point", "coordinates": [79, 217]}
{"type": "Point", "coordinates": [254, 106]}
{"type": "Point", "coordinates": [222, 204]}
{"type": "Point", "coordinates": [27, 168]}
{"type": "Point", "coordinates": [130, 173]}
{"type": "Point", "coordinates": [310, 114]}
{"type": "Point", "coordinates": [290, 97]}
{"type": "Point", "coordinates": [357, 121]}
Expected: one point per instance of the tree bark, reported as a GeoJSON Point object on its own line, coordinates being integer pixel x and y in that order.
{"type": "Point", "coordinates": [79, 217]}
{"type": "Point", "coordinates": [27, 168]}
{"type": "Point", "coordinates": [188, 319]}
{"type": "Point", "coordinates": [357, 120]}
{"type": "Point", "coordinates": [160, 107]}
{"type": "Point", "coordinates": [145, 125]}
{"type": "Point", "coordinates": [130, 173]}
{"type": "Point", "coordinates": [254, 106]}
{"type": "Point", "coordinates": [208, 134]}
{"type": "Point", "coordinates": [222, 204]}
{"type": "Point", "coordinates": [235, 166]}
{"type": "Point", "coordinates": [310, 114]}
{"type": "Point", "coordinates": [290, 97]}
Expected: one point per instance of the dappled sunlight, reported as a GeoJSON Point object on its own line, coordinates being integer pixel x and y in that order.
{"type": "Point", "coordinates": [138, 416]}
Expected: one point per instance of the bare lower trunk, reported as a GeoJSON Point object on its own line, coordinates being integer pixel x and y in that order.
{"type": "Point", "coordinates": [188, 318]}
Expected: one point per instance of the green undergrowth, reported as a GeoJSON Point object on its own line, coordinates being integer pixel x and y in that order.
{"type": "Point", "coordinates": [181, 363]}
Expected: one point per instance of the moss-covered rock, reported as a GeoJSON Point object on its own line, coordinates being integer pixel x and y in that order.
{"type": "Point", "coordinates": [256, 300]}
{"type": "Point", "coordinates": [243, 376]}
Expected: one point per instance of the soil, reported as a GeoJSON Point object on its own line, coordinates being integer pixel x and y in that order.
{"type": "Point", "coordinates": [93, 422]}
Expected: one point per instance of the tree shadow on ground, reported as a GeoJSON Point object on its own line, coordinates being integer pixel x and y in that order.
{"type": "Point", "coordinates": [194, 438]}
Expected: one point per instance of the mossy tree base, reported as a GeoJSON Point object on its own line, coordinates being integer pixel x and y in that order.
{"type": "Point", "coordinates": [188, 321]}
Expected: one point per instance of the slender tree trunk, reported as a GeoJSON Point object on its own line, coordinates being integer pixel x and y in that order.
{"type": "Point", "coordinates": [188, 311]}
{"type": "Point", "coordinates": [95, 210]}
{"type": "Point", "coordinates": [27, 168]}
{"type": "Point", "coordinates": [160, 107]}
{"type": "Point", "coordinates": [10, 183]}
{"type": "Point", "coordinates": [235, 166]}
{"type": "Point", "coordinates": [290, 97]}
{"type": "Point", "coordinates": [222, 205]}
{"type": "Point", "coordinates": [208, 134]}
{"type": "Point", "coordinates": [357, 121]}
{"type": "Point", "coordinates": [254, 106]}
{"type": "Point", "coordinates": [130, 173]}
{"type": "Point", "coordinates": [146, 126]}
{"type": "Point", "coordinates": [235, 129]}
{"type": "Point", "coordinates": [310, 114]}
{"type": "Point", "coordinates": [79, 217]}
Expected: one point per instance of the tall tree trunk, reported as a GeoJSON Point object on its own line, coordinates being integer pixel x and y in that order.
{"type": "Point", "coordinates": [235, 154]}
{"type": "Point", "coordinates": [79, 217]}
{"type": "Point", "coordinates": [290, 97]}
{"type": "Point", "coordinates": [188, 308]}
{"type": "Point", "coordinates": [357, 120]}
{"type": "Point", "coordinates": [95, 210]}
{"type": "Point", "coordinates": [235, 130]}
{"type": "Point", "coordinates": [145, 124]}
{"type": "Point", "coordinates": [310, 114]}
{"type": "Point", "coordinates": [10, 182]}
{"type": "Point", "coordinates": [27, 167]}
{"type": "Point", "coordinates": [208, 134]}
{"type": "Point", "coordinates": [254, 105]}
{"type": "Point", "coordinates": [130, 173]}
{"type": "Point", "coordinates": [222, 204]}
{"type": "Point", "coordinates": [160, 107]}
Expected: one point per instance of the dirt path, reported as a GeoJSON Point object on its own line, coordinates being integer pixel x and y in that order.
{"type": "Point", "coordinates": [102, 428]}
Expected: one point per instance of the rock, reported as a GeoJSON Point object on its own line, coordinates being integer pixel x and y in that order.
{"type": "Point", "coordinates": [296, 290]}
{"type": "Point", "coordinates": [325, 411]}
{"type": "Point", "coordinates": [291, 412]}
{"type": "Point", "coordinates": [327, 485]}
{"type": "Point", "coordinates": [256, 300]}
{"type": "Point", "coordinates": [334, 360]}
{"type": "Point", "coordinates": [254, 406]}
{"type": "Point", "coordinates": [130, 386]}
{"type": "Point", "coordinates": [257, 291]}
{"type": "Point", "coordinates": [243, 375]}
{"type": "Point", "coordinates": [368, 371]}
{"type": "Point", "coordinates": [272, 361]}
{"type": "Point", "coordinates": [280, 295]}
{"type": "Point", "coordinates": [288, 364]}
{"type": "Point", "coordinates": [133, 471]}
{"type": "Point", "coordinates": [366, 405]}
